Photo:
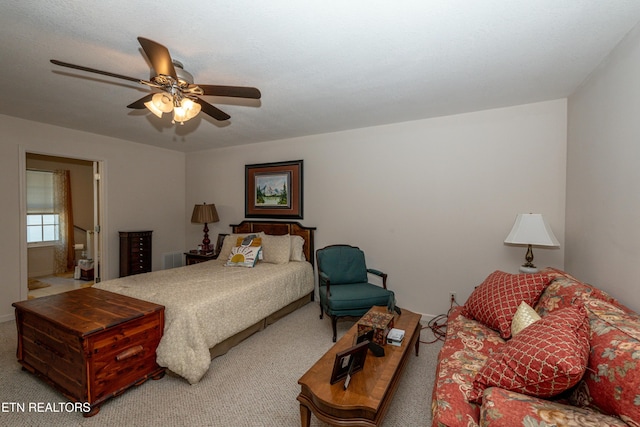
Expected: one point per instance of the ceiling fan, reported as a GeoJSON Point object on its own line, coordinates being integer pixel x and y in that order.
{"type": "Point", "coordinates": [177, 91]}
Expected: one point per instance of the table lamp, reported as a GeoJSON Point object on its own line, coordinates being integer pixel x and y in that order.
{"type": "Point", "coordinates": [205, 214]}
{"type": "Point", "coordinates": [531, 229]}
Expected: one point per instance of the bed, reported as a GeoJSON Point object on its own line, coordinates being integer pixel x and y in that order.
{"type": "Point", "coordinates": [210, 307]}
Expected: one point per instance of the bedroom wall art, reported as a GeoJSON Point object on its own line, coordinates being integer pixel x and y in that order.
{"type": "Point", "coordinates": [274, 190]}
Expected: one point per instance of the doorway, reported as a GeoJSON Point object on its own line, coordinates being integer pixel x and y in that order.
{"type": "Point", "coordinates": [47, 271]}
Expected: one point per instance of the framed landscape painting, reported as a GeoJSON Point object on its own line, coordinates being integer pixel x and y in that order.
{"type": "Point", "coordinates": [273, 190]}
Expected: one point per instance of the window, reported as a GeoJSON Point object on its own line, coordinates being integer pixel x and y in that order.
{"type": "Point", "coordinates": [43, 223]}
{"type": "Point", "coordinates": [43, 228]}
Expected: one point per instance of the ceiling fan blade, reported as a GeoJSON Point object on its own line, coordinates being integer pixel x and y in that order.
{"type": "Point", "coordinates": [235, 91]}
{"type": "Point", "coordinates": [139, 104]}
{"type": "Point", "coordinates": [159, 57]}
{"type": "Point", "coordinates": [93, 70]}
{"type": "Point", "coordinates": [214, 112]}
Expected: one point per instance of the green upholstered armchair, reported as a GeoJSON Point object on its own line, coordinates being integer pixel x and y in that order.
{"type": "Point", "coordinates": [344, 286]}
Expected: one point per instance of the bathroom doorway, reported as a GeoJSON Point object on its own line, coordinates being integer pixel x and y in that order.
{"type": "Point", "coordinates": [63, 238]}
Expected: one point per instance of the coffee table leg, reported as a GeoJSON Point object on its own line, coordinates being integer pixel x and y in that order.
{"type": "Point", "coordinates": [417, 345]}
{"type": "Point", "coordinates": [305, 416]}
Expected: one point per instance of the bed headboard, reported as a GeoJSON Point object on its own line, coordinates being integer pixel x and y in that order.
{"type": "Point", "coordinates": [279, 228]}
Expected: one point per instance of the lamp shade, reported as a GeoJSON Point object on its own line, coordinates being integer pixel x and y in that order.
{"type": "Point", "coordinates": [204, 214]}
{"type": "Point", "coordinates": [532, 229]}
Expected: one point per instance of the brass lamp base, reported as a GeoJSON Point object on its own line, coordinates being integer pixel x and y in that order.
{"type": "Point", "coordinates": [528, 266]}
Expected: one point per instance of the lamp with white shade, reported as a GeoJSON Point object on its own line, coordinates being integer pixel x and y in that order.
{"type": "Point", "coordinates": [531, 230]}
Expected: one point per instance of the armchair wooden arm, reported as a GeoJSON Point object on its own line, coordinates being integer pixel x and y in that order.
{"type": "Point", "coordinates": [380, 274]}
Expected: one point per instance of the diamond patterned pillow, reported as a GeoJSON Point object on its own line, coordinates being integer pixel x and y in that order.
{"type": "Point", "coordinates": [545, 359]}
{"type": "Point", "coordinates": [496, 300]}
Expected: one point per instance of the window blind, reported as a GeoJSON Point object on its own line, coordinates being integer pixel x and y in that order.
{"type": "Point", "coordinates": [39, 192]}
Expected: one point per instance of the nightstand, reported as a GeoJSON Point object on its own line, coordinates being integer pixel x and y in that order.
{"type": "Point", "coordinates": [196, 257]}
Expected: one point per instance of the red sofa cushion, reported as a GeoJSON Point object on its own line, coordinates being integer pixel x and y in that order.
{"type": "Point", "coordinates": [503, 408]}
{"type": "Point", "coordinates": [543, 360]}
{"type": "Point", "coordinates": [612, 382]}
{"type": "Point", "coordinates": [496, 300]}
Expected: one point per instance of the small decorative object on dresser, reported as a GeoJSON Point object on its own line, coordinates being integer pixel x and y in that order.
{"type": "Point", "coordinates": [135, 252]}
{"type": "Point", "coordinates": [90, 344]}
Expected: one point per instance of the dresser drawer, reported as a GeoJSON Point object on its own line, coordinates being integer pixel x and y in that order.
{"type": "Point", "coordinates": [135, 252]}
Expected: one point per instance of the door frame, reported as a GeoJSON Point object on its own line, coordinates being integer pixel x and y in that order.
{"type": "Point", "coordinates": [99, 212]}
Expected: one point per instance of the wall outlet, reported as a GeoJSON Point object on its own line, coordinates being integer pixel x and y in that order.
{"type": "Point", "coordinates": [453, 297]}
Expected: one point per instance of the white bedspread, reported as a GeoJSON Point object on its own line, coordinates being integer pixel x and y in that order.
{"type": "Point", "coordinates": [207, 303]}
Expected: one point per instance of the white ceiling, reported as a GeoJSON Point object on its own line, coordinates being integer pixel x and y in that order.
{"type": "Point", "coordinates": [322, 66]}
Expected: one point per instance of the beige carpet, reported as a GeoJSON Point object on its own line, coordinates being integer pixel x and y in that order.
{"type": "Point", "coordinates": [255, 384]}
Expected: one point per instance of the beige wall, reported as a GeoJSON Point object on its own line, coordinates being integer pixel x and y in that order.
{"type": "Point", "coordinates": [144, 189]}
{"type": "Point", "coordinates": [430, 201]}
{"type": "Point", "coordinates": [603, 175]}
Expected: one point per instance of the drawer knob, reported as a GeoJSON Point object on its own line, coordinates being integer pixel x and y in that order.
{"type": "Point", "coordinates": [130, 352]}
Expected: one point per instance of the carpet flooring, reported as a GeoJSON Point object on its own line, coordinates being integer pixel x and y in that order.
{"type": "Point", "coordinates": [254, 384]}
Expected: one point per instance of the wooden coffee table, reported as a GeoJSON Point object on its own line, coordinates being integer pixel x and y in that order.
{"type": "Point", "coordinates": [367, 399]}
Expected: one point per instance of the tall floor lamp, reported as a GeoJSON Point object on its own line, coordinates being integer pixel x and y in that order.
{"type": "Point", "coordinates": [531, 229]}
{"type": "Point", "coordinates": [205, 214]}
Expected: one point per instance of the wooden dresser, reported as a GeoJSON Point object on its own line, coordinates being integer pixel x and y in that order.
{"type": "Point", "coordinates": [90, 344]}
{"type": "Point", "coordinates": [135, 252]}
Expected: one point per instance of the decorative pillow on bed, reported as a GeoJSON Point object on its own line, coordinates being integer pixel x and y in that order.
{"type": "Point", "coordinates": [277, 249]}
{"type": "Point", "coordinates": [251, 240]}
{"type": "Point", "coordinates": [297, 249]}
{"type": "Point", "coordinates": [230, 241]}
{"type": "Point", "coordinates": [256, 241]}
{"type": "Point", "coordinates": [243, 256]}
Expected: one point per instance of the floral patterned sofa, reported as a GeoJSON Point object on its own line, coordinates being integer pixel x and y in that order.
{"type": "Point", "coordinates": [579, 365]}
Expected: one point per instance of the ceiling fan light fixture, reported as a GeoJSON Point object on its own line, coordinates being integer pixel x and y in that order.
{"type": "Point", "coordinates": [160, 103]}
{"type": "Point", "coordinates": [186, 110]}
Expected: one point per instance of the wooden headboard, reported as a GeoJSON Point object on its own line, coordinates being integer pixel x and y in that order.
{"type": "Point", "coordinates": [279, 228]}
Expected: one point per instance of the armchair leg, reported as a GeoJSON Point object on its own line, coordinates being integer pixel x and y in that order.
{"type": "Point", "coordinates": [334, 320]}
{"type": "Point", "coordinates": [321, 312]}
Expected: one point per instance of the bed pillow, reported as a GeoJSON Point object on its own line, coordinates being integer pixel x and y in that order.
{"type": "Point", "coordinates": [255, 241]}
{"type": "Point", "coordinates": [230, 241]}
{"type": "Point", "coordinates": [277, 249]}
{"type": "Point", "coordinates": [297, 249]}
{"type": "Point", "coordinates": [243, 256]}
{"type": "Point", "coordinates": [525, 316]}
{"type": "Point", "coordinates": [543, 360]}
{"type": "Point", "coordinates": [495, 301]}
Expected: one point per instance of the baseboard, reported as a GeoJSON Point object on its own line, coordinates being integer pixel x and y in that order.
{"type": "Point", "coordinates": [7, 318]}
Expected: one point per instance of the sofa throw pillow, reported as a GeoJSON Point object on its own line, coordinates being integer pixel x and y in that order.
{"type": "Point", "coordinates": [243, 256]}
{"type": "Point", "coordinates": [525, 316]}
{"type": "Point", "coordinates": [496, 300]}
{"type": "Point", "coordinates": [543, 360]}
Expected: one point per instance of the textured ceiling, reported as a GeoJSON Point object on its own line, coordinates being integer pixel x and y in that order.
{"type": "Point", "coordinates": [322, 66]}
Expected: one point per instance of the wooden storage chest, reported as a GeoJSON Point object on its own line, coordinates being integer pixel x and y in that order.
{"type": "Point", "coordinates": [90, 344]}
